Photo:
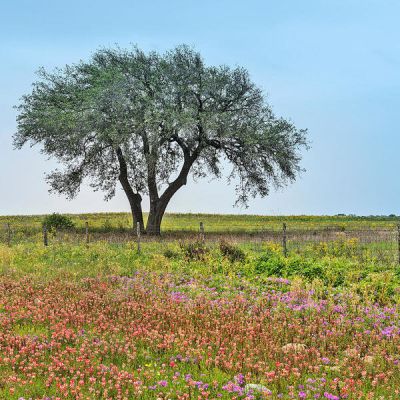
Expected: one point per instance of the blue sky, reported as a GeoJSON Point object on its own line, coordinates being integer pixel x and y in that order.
{"type": "Point", "coordinates": [329, 66]}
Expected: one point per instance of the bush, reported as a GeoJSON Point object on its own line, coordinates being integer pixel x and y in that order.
{"type": "Point", "coordinates": [58, 222]}
{"type": "Point", "coordinates": [378, 287]}
{"type": "Point", "coordinates": [171, 254]}
{"type": "Point", "coordinates": [308, 269]}
{"type": "Point", "coordinates": [231, 252]}
{"type": "Point", "coordinates": [194, 250]}
{"type": "Point", "coordinates": [273, 264]}
{"type": "Point", "coordinates": [270, 264]}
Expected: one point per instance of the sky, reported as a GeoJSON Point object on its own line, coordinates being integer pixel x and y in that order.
{"type": "Point", "coordinates": [331, 66]}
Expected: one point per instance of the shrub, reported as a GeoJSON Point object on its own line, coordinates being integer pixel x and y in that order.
{"type": "Point", "coordinates": [231, 252]}
{"type": "Point", "coordinates": [273, 264]}
{"type": "Point", "coordinates": [308, 269]}
{"type": "Point", "coordinates": [171, 254]}
{"type": "Point", "coordinates": [378, 287]}
{"type": "Point", "coordinates": [58, 221]}
{"type": "Point", "coordinates": [270, 264]}
{"type": "Point", "coordinates": [194, 250]}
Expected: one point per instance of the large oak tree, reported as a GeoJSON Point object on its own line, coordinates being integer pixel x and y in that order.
{"type": "Point", "coordinates": [149, 121]}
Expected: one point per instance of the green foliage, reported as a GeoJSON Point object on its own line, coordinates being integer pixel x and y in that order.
{"type": "Point", "coordinates": [270, 265]}
{"type": "Point", "coordinates": [345, 264]}
{"type": "Point", "coordinates": [57, 221]}
{"type": "Point", "coordinates": [335, 271]}
{"type": "Point", "coordinates": [152, 120]}
{"type": "Point", "coordinates": [231, 252]}
{"type": "Point", "coordinates": [308, 269]}
{"type": "Point", "coordinates": [370, 280]}
{"type": "Point", "coordinates": [379, 287]}
{"type": "Point", "coordinates": [194, 250]}
{"type": "Point", "coordinates": [107, 226]}
{"type": "Point", "coordinates": [170, 253]}
{"type": "Point", "coordinates": [338, 248]}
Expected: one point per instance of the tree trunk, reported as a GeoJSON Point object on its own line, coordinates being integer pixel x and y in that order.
{"type": "Point", "coordinates": [157, 210]}
{"type": "Point", "coordinates": [135, 199]}
{"type": "Point", "coordinates": [153, 227]}
{"type": "Point", "coordinates": [154, 221]}
{"type": "Point", "coordinates": [136, 210]}
{"type": "Point", "coordinates": [158, 205]}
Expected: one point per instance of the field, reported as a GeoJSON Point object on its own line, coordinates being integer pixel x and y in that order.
{"type": "Point", "coordinates": [173, 223]}
{"type": "Point", "coordinates": [230, 317]}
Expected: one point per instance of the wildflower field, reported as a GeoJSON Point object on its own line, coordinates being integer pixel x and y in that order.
{"type": "Point", "coordinates": [194, 320]}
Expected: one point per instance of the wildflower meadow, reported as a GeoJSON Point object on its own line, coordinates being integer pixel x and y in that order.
{"type": "Point", "coordinates": [101, 321]}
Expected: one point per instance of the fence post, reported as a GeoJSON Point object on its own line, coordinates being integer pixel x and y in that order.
{"type": "Point", "coordinates": [202, 236]}
{"type": "Point", "coordinates": [87, 232]}
{"type": "Point", "coordinates": [138, 236]}
{"type": "Point", "coordinates": [284, 245]}
{"type": "Point", "coordinates": [398, 243]}
{"type": "Point", "coordinates": [8, 227]}
{"type": "Point", "coordinates": [45, 240]}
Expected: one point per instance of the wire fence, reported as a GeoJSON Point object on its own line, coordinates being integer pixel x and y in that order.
{"type": "Point", "coordinates": [381, 244]}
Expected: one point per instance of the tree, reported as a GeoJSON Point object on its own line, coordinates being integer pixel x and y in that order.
{"type": "Point", "coordinates": [149, 121]}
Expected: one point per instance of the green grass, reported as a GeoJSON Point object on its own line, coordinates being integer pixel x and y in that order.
{"type": "Point", "coordinates": [335, 264]}
{"type": "Point", "coordinates": [219, 223]}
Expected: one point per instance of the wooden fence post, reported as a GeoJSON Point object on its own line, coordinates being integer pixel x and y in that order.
{"type": "Point", "coordinates": [87, 232]}
{"type": "Point", "coordinates": [138, 237]}
{"type": "Point", "coordinates": [8, 227]}
{"type": "Point", "coordinates": [284, 245]}
{"type": "Point", "coordinates": [45, 240]}
{"type": "Point", "coordinates": [202, 236]}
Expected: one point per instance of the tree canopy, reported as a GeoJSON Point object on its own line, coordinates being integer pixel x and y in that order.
{"type": "Point", "coordinates": [149, 120]}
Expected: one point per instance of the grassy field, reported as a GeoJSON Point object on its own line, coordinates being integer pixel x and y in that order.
{"type": "Point", "coordinates": [214, 222]}
{"type": "Point", "coordinates": [184, 319]}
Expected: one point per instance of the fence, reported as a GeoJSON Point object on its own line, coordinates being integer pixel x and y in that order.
{"type": "Point", "coordinates": [382, 244]}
